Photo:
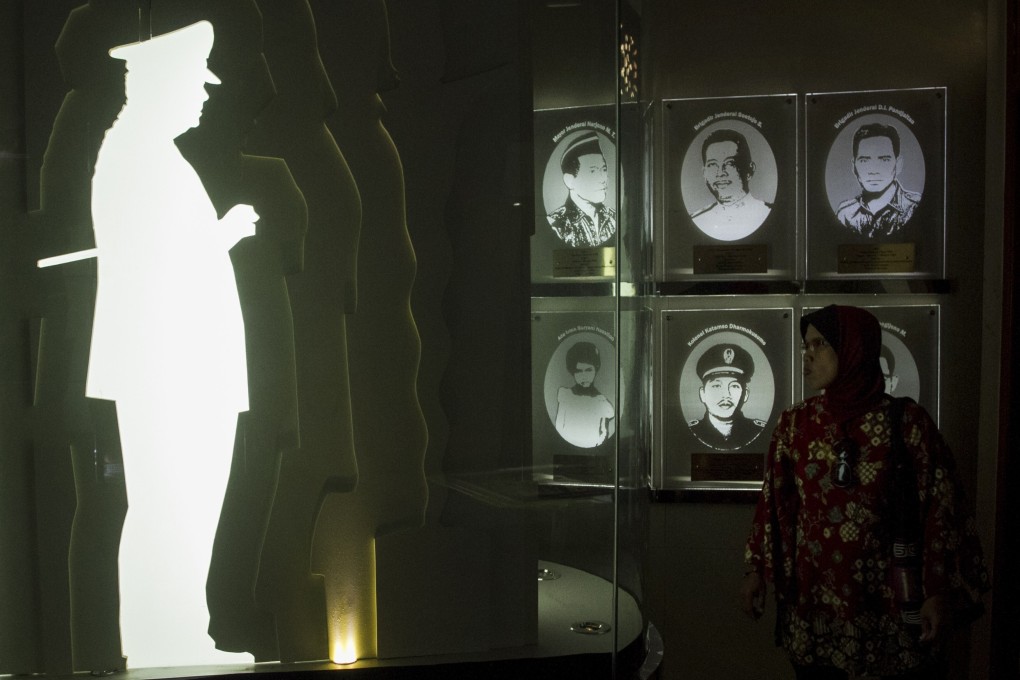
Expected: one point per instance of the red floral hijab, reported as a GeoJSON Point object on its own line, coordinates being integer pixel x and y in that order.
{"type": "Point", "coordinates": [857, 338]}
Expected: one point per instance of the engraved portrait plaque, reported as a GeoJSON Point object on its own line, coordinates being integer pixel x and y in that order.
{"type": "Point", "coordinates": [730, 181]}
{"type": "Point", "coordinates": [715, 467]}
{"type": "Point", "coordinates": [582, 262]}
{"type": "Point", "coordinates": [910, 352]}
{"type": "Point", "coordinates": [875, 176]}
{"type": "Point", "coordinates": [576, 200]}
{"type": "Point", "coordinates": [574, 393]}
{"type": "Point", "coordinates": [746, 259]}
{"type": "Point", "coordinates": [886, 258]}
{"type": "Point", "coordinates": [725, 378]}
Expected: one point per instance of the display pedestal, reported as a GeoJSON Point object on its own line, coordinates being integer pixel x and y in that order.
{"type": "Point", "coordinates": [571, 604]}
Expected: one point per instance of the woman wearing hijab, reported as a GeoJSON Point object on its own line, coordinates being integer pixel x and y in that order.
{"type": "Point", "coordinates": [828, 518]}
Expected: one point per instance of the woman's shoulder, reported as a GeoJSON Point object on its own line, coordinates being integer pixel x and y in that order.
{"type": "Point", "coordinates": [803, 412]}
{"type": "Point", "coordinates": [805, 408]}
{"type": "Point", "coordinates": [915, 414]}
{"type": "Point", "coordinates": [911, 410]}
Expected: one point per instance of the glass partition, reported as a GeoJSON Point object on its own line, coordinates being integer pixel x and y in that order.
{"type": "Point", "coordinates": [325, 337]}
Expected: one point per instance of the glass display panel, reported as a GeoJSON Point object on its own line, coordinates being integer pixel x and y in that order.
{"type": "Point", "coordinates": [911, 345]}
{"type": "Point", "coordinates": [731, 187]}
{"type": "Point", "coordinates": [574, 379]}
{"type": "Point", "coordinates": [576, 216]}
{"type": "Point", "coordinates": [876, 183]}
{"type": "Point", "coordinates": [725, 376]}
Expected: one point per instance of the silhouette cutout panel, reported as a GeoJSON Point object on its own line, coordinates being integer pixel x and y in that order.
{"type": "Point", "coordinates": [167, 345]}
{"type": "Point", "coordinates": [389, 430]}
{"type": "Point", "coordinates": [320, 296]}
{"type": "Point", "coordinates": [220, 151]}
{"type": "Point", "coordinates": [329, 266]}
{"type": "Point", "coordinates": [78, 512]}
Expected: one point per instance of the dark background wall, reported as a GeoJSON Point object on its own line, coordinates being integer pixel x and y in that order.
{"type": "Point", "coordinates": [749, 48]}
{"type": "Point", "coordinates": [15, 387]}
{"type": "Point", "coordinates": [689, 49]}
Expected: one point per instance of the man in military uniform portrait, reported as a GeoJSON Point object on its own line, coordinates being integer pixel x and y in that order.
{"type": "Point", "coordinates": [727, 167]}
{"type": "Point", "coordinates": [884, 206]}
{"type": "Point", "coordinates": [584, 220]}
{"type": "Point", "coordinates": [725, 371]}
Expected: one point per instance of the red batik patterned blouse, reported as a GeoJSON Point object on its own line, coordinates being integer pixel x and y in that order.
{"type": "Point", "coordinates": [827, 549]}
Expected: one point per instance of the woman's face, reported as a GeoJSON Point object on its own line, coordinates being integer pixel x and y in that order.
{"type": "Point", "coordinates": [584, 374]}
{"type": "Point", "coordinates": [820, 362]}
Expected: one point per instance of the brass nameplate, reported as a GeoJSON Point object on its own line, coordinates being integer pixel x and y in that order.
{"type": "Point", "coordinates": [746, 259]}
{"type": "Point", "coordinates": [884, 258]}
{"type": "Point", "coordinates": [584, 262]}
{"type": "Point", "coordinates": [727, 467]}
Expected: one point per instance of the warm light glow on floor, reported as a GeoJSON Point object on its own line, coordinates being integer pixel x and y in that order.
{"type": "Point", "coordinates": [344, 651]}
{"type": "Point", "coordinates": [351, 602]}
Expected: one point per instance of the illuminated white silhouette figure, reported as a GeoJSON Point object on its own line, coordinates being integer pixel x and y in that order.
{"type": "Point", "coordinates": [167, 346]}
